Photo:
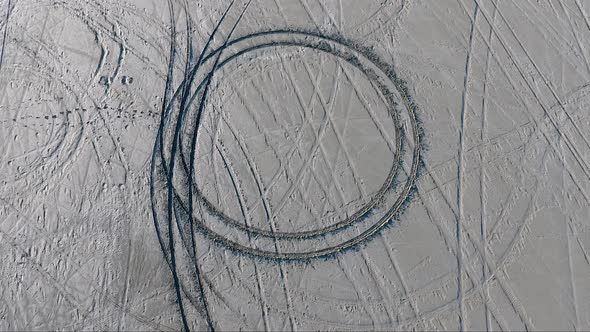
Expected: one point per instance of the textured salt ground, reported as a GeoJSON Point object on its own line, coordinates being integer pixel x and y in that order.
{"type": "Point", "coordinates": [496, 235]}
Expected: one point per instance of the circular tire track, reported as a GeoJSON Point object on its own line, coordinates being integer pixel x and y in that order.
{"type": "Point", "coordinates": [186, 121]}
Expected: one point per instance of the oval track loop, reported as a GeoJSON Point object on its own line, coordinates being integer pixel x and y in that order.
{"type": "Point", "coordinates": [188, 121]}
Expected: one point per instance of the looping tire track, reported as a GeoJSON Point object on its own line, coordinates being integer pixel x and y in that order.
{"type": "Point", "coordinates": [322, 46]}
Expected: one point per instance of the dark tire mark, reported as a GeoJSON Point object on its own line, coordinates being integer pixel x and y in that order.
{"type": "Point", "coordinates": [350, 53]}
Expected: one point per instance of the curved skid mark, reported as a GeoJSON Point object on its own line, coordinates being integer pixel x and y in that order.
{"type": "Point", "coordinates": [374, 228]}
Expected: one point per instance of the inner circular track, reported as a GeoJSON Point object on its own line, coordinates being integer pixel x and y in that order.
{"type": "Point", "coordinates": [296, 136]}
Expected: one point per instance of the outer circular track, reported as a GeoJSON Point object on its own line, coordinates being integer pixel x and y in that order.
{"type": "Point", "coordinates": [378, 73]}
